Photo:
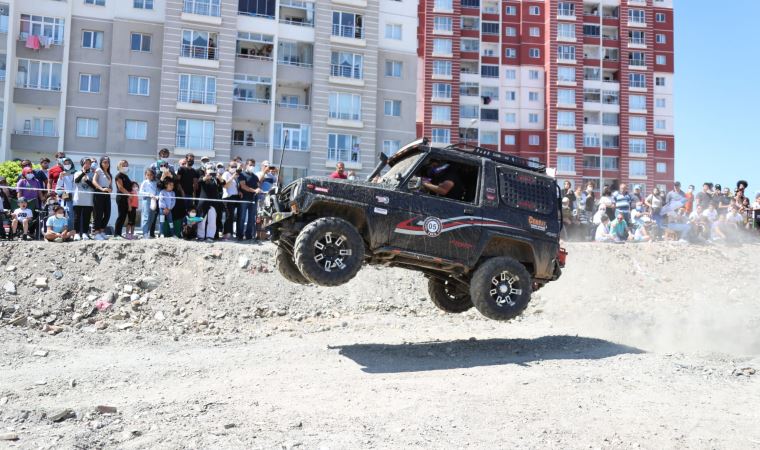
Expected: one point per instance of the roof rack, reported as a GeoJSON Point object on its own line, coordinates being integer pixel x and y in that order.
{"type": "Point", "coordinates": [505, 158]}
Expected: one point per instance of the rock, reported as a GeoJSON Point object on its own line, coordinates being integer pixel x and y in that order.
{"type": "Point", "coordinates": [745, 371]}
{"type": "Point", "coordinates": [101, 325]}
{"type": "Point", "coordinates": [125, 326]}
{"type": "Point", "coordinates": [221, 315]}
{"type": "Point", "coordinates": [160, 316]}
{"type": "Point", "coordinates": [73, 383]}
{"type": "Point", "coordinates": [76, 317]}
{"type": "Point", "coordinates": [8, 437]}
{"type": "Point", "coordinates": [243, 261]}
{"type": "Point", "coordinates": [40, 382]}
{"type": "Point", "coordinates": [63, 415]}
{"type": "Point", "coordinates": [36, 313]}
{"type": "Point", "coordinates": [40, 282]}
{"type": "Point", "coordinates": [19, 321]}
{"type": "Point", "coordinates": [128, 288]}
{"type": "Point", "coordinates": [52, 329]}
{"type": "Point", "coordinates": [103, 409]}
{"type": "Point", "coordinates": [3, 401]}
{"type": "Point", "coordinates": [134, 297]}
{"type": "Point", "coordinates": [40, 353]}
{"type": "Point", "coordinates": [10, 268]}
{"type": "Point", "coordinates": [147, 283]}
{"type": "Point", "coordinates": [10, 288]}
{"type": "Point", "coordinates": [88, 279]}
{"type": "Point", "coordinates": [227, 426]}
{"type": "Point", "coordinates": [57, 274]}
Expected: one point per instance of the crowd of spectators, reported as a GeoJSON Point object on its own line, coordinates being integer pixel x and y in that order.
{"type": "Point", "coordinates": [206, 201]}
{"type": "Point", "coordinates": [618, 215]}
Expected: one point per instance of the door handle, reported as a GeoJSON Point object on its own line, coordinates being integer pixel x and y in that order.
{"type": "Point", "coordinates": [469, 211]}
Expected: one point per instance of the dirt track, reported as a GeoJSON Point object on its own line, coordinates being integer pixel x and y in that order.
{"type": "Point", "coordinates": [631, 348]}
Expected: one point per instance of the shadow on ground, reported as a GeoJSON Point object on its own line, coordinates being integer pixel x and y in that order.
{"type": "Point", "coordinates": [427, 356]}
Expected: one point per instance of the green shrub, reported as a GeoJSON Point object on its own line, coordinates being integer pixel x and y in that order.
{"type": "Point", "coordinates": [11, 170]}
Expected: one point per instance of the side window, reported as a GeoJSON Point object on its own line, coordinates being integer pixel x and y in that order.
{"type": "Point", "coordinates": [463, 175]}
{"type": "Point", "coordinates": [526, 191]}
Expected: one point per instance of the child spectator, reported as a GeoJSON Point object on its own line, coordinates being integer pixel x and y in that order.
{"type": "Point", "coordinates": [149, 193]}
{"type": "Point", "coordinates": [190, 224]}
{"type": "Point", "coordinates": [22, 215]}
{"type": "Point", "coordinates": [166, 202]}
{"type": "Point", "coordinates": [603, 230]}
{"type": "Point", "coordinates": [58, 226]}
{"type": "Point", "coordinates": [134, 203]}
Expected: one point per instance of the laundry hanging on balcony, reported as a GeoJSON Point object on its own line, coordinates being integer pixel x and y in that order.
{"type": "Point", "coordinates": [33, 42]}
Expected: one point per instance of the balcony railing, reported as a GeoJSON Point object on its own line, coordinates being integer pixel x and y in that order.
{"type": "Point", "coordinates": [247, 143]}
{"type": "Point", "coordinates": [196, 96]}
{"type": "Point", "coordinates": [256, 14]}
{"type": "Point", "coordinates": [294, 105]}
{"type": "Point", "coordinates": [342, 71]}
{"type": "Point", "coordinates": [348, 31]}
{"type": "Point", "coordinates": [45, 41]}
{"type": "Point", "coordinates": [37, 85]}
{"type": "Point", "coordinates": [294, 62]}
{"type": "Point", "coordinates": [250, 99]}
{"type": "Point", "coordinates": [298, 22]}
{"type": "Point", "coordinates": [202, 8]}
{"type": "Point", "coordinates": [43, 133]}
{"type": "Point", "coordinates": [342, 154]}
{"type": "Point", "coordinates": [199, 52]}
{"type": "Point", "coordinates": [258, 57]}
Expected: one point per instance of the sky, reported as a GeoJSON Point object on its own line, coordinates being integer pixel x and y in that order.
{"type": "Point", "coordinates": [717, 94]}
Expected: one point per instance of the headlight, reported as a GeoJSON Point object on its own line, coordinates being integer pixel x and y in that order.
{"type": "Point", "coordinates": [296, 190]}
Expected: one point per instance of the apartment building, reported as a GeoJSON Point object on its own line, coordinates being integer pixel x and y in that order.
{"type": "Point", "coordinates": [327, 81]}
{"type": "Point", "coordinates": [584, 86]}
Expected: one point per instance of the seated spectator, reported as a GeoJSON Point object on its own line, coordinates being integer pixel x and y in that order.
{"type": "Point", "coordinates": [733, 217]}
{"type": "Point", "coordinates": [711, 213]}
{"type": "Point", "coordinates": [22, 215]}
{"type": "Point", "coordinates": [600, 212]}
{"type": "Point", "coordinates": [603, 231]}
{"type": "Point", "coordinates": [58, 226]}
{"type": "Point", "coordinates": [619, 228]}
{"type": "Point", "coordinates": [643, 232]}
{"type": "Point", "coordinates": [190, 224]}
{"type": "Point", "coordinates": [5, 206]}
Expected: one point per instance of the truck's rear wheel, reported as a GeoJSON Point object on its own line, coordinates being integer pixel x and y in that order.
{"type": "Point", "coordinates": [500, 288]}
{"type": "Point", "coordinates": [449, 295]}
{"type": "Point", "coordinates": [287, 267]}
{"type": "Point", "coordinates": [329, 251]}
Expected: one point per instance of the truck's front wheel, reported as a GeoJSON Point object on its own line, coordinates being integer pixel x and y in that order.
{"type": "Point", "coordinates": [329, 251]}
{"type": "Point", "coordinates": [500, 288]}
{"type": "Point", "coordinates": [449, 295]}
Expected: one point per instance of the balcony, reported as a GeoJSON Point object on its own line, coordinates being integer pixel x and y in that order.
{"type": "Point", "coordinates": [199, 56]}
{"type": "Point", "coordinates": [53, 51]}
{"type": "Point", "coordinates": [296, 12]}
{"type": "Point", "coordinates": [35, 140]}
{"type": "Point", "coordinates": [254, 50]}
{"type": "Point", "coordinates": [346, 74]}
{"type": "Point", "coordinates": [196, 100]}
{"type": "Point", "coordinates": [248, 106]}
{"type": "Point", "coordinates": [297, 73]}
{"type": "Point", "coordinates": [348, 34]}
{"type": "Point", "coordinates": [207, 12]}
{"type": "Point", "coordinates": [34, 94]}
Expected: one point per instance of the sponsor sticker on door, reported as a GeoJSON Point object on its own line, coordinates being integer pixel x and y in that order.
{"type": "Point", "coordinates": [537, 224]}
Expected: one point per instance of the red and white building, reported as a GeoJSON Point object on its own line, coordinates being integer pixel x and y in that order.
{"type": "Point", "coordinates": [585, 86]}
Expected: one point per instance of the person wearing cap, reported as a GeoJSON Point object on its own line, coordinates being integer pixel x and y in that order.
{"type": "Point", "coordinates": [637, 193]}
{"type": "Point", "coordinates": [24, 216]}
{"type": "Point", "coordinates": [30, 189]}
{"type": "Point", "coordinates": [83, 199]}
{"type": "Point", "coordinates": [55, 172]}
{"type": "Point", "coordinates": [674, 199]}
{"type": "Point", "coordinates": [41, 174]}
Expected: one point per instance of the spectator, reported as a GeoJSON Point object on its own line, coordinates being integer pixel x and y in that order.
{"type": "Point", "coordinates": [55, 172]}
{"type": "Point", "coordinates": [5, 206]}
{"type": "Point", "coordinates": [30, 189]}
{"type": "Point", "coordinates": [24, 216]}
{"type": "Point", "coordinates": [568, 192]}
{"type": "Point", "coordinates": [188, 179]}
{"type": "Point", "coordinates": [674, 200]}
{"type": "Point", "coordinates": [149, 194]}
{"type": "Point", "coordinates": [600, 212]}
{"type": "Point", "coordinates": [637, 194]}
{"type": "Point", "coordinates": [134, 203]}
{"type": "Point", "coordinates": [578, 205]}
{"type": "Point", "coordinates": [655, 203]}
{"type": "Point", "coordinates": [123, 191]}
{"type": "Point", "coordinates": [711, 213]}
{"type": "Point", "coordinates": [208, 206]}
{"type": "Point", "coordinates": [607, 202]}
{"type": "Point", "coordinates": [755, 210]}
{"type": "Point", "coordinates": [161, 162]}
{"type": "Point", "coordinates": [619, 227]}
{"type": "Point", "coordinates": [41, 174]}
{"type": "Point", "coordinates": [643, 231]}
{"type": "Point", "coordinates": [704, 198]}
{"type": "Point", "coordinates": [166, 203]}
{"type": "Point", "coordinates": [58, 226]}
{"type": "Point", "coordinates": [340, 172]}
{"type": "Point", "coordinates": [589, 200]}
{"type": "Point", "coordinates": [249, 188]}
{"type": "Point", "coordinates": [733, 216]}
{"type": "Point", "coordinates": [190, 224]}
{"type": "Point", "coordinates": [103, 184]}
{"type": "Point", "coordinates": [724, 200]}
{"type": "Point", "coordinates": [64, 188]}
{"type": "Point", "coordinates": [231, 192]}
{"type": "Point", "coordinates": [83, 200]}
{"type": "Point", "coordinates": [623, 201]}
{"type": "Point", "coordinates": [741, 186]}
{"type": "Point", "coordinates": [689, 205]}
{"type": "Point", "coordinates": [603, 231]}
{"type": "Point", "coordinates": [351, 176]}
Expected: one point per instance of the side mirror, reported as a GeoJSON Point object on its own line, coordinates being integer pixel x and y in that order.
{"type": "Point", "coordinates": [415, 183]}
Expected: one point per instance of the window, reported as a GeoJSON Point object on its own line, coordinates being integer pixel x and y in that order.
{"type": "Point", "coordinates": [534, 53]}
{"type": "Point", "coordinates": [442, 68]}
{"type": "Point", "coordinates": [343, 147]}
{"type": "Point", "coordinates": [441, 90]}
{"type": "Point", "coordinates": [534, 11]}
{"type": "Point", "coordinates": [489, 115]}
{"type": "Point", "coordinates": [532, 96]}
{"type": "Point", "coordinates": [566, 74]}
{"type": "Point", "coordinates": [566, 141]}
{"type": "Point", "coordinates": [510, 52]}
{"type": "Point", "coordinates": [442, 46]}
{"type": "Point", "coordinates": [348, 25]}
{"type": "Point", "coordinates": [637, 59]}
{"type": "Point", "coordinates": [637, 16]}
{"type": "Point", "coordinates": [140, 42]}
{"type": "Point", "coordinates": [611, 141]}
{"type": "Point", "coordinates": [349, 65]}
{"type": "Point", "coordinates": [95, 2]}
{"type": "Point", "coordinates": [292, 136]}
{"type": "Point", "coordinates": [510, 10]}
{"type": "Point", "coordinates": [566, 30]}
{"type": "Point", "coordinates": [532, 118]}
{"type": "Point", "coordinates": [89, 83]}
{"type": "Point", "coordinates": [659, 17]}
{"type": "Point", "coordinates": [392, 108]}
{"type": "Point", "coordinates": [490, 92]}
{"type": "Point", "coordinates": [636, 37]}
{"type": "Point", "coordinates": [566, 52]}
{"type": "Point", "coordinates": [393, 69]}
{"type": "Point", "coordinates": [142, 4]}
{"type": "Point", "coordinates": [441, 136]}
{"type": "Point", "coordinates": [637, 80]}
{"type": "Point", "coordinates": [660, 124]}
{"type": "Point", "coordinates": [393, 31]}
{"type": "Point", "coordinates": [203, 7]}
{"type": "Point", "coordinates": [510, 117]}
{"type": "Point", "coordinates": [468, 112]}
{"type": "Point", "coordinates": [592, 74]}
{"type": "Point", "coordinates": [592, 162]}
{"type": "Point", "coordinates": [489, 71]}
{"type": "Point", "coordinates": [136, 130]}
{"type": "Point", "coordinates": [566, 119]}
{"type": "Point", "coordinates": [510, 74]}
{"type": "Point", "coordinates": [638, 102]}
{"type": "Point", "coordinates": [489, 27]}
{"type": "Point", "coordinates": [533, 74]}
{"type": "Point", "coordinates": [660, 103]}
{"type": "Point", "coordinates": [197, 89]}
{"type": "Point", "coordinates": [662, 146]}
{"type": "Point", "coordinates": [87, 127]}
{"type": "Point", "coordinates": [489, 137]}
{"type": "Point", "coordinates": [49, 27]}
{"type": "Point", "coordinates": [470, 45]}
{"type": "Point", "coordinates": [442, 24]}
{"type": "Point", "coordinates": [444, 5]}
{"type": "Point", "coordinates": [440, 113]}
{"type": "Point", "coordinates": [612, 119]}
{"type": "Point", "coordinates": [534, 139]}
{"type": "Point", "coordinates": [565, 9]}
{"type": "Point", "coordinates": [591, 95]}
{"type": "Point", "coordinates": [566, 96]}
{"type": "Point", "coordinates": [661, 60]}
{"type": "Point", "coordinates": [509, 139]}
{"type": "Point", "coordinates": [591, 30]}
{"type": "Point", "coordinates": [591, 140]}
{"type": "Point", "coordinates": [289, 52]}
{"type": "Point", "coordinates": [637, 146]}
{"type": "Point", "coordinates": [662, 167]}
{"type": "Point", "coordinates": [637, 124]}
{"type": "Point", "coordinates": [195, 134]}
{"type": "Point", "coordinates": [566, 164]}
{"type": "Point", "coordinates": [138, 85]}
{"type": "Point", "coordinates": [534, 31]}
{"type": "Point", "coordinates": [660, 39]}
{"type": "Point", "coordinates": [611, 97]}
{"type": "Point", "coordinates": [637, 169]}
{"type": "Point", "coordinates": [345, 106]}
{"type": "Point", "coordinates": [92, 39]}
{"type": "Point", "coordinates": [659, 81]}
{"type": "Point", "coordinates": [511, 96]}
{"type": "Point", "coordinates": [510, 31]}
{"type": "Point", "coordinates": [42, 75]}
{"type": "Point", "coordinates": [391, 147]}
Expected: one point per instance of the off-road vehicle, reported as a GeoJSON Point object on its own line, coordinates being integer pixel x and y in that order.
{"type": "Point", "coordinates": [491, 245]}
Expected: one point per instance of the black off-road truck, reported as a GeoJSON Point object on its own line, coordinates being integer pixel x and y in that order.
{"type": "Point", "coordinates": [490, 241]}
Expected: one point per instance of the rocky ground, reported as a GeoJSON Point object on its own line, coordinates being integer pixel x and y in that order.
{"type": "Point", "coordinates": [168, 344]}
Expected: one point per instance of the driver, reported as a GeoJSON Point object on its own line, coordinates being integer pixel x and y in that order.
{"type": "Point", "coordinates": [443, 180]}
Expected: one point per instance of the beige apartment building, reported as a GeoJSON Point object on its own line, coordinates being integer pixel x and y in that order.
{"type": "Point", "coordinates": [327, 81]}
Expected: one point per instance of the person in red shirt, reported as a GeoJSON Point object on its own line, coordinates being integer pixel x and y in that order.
{"type": "Point", "coordinates": [340, 172]}
{"type": "Point", "coordinates": [55, 172]}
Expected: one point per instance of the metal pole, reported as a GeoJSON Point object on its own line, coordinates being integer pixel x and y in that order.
{"type": "Point", "coordinates": [601, 94]}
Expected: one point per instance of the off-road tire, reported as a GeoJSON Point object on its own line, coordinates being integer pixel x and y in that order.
{"type": "Point", "coordinates": [287, 267]}
{"type": "Point", "coordinates": [500, 288]}
{"type": "Point", "coordinates": [449, 295]}
{"type": "Point", "coordinates": [342, 246]}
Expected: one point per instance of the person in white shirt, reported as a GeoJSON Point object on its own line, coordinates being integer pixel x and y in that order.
{"type": "Point", "coordinates": [230, 191]}
{"type": "Point", "coordinates": [22, 215]}
{"type": "Point", "coordinates": [603, 230]}
{"type": "Point", "coordinates": [711, 213]}
{"type": "Point", "coordinates": [600, 212]}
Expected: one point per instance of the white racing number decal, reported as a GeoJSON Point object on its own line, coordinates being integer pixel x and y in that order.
{"type": "Point", "coordinates": [432, 226]}
{"type": "Point", "coordinates": [329, 252]}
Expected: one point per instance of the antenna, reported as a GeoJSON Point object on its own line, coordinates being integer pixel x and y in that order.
{"type": "Point", "coordinates": [282, 156]}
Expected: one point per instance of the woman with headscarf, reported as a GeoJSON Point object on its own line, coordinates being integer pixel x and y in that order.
{"type": "Point", "coordinates": [103, 184]}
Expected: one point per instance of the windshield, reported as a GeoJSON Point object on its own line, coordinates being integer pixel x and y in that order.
{"type": "Point", "coordinates": [400, 170]}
